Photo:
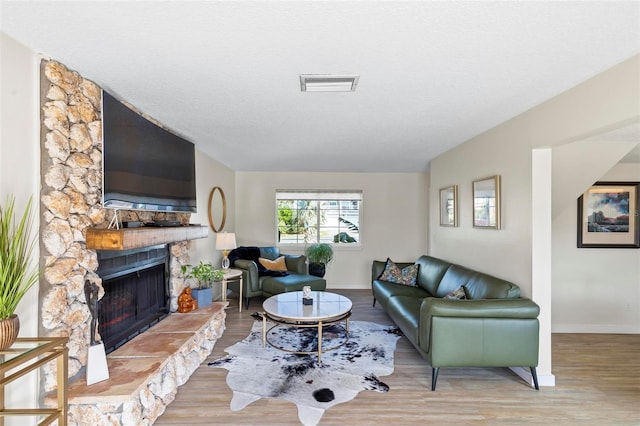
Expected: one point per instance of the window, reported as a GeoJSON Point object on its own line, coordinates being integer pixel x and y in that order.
{"type": "Point", "coordinates": [318, 216]}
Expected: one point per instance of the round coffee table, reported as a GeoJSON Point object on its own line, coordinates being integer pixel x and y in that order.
{"type": "Point", "coordinates": [286, 309]}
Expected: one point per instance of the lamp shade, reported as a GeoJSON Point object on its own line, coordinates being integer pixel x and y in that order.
{"type": "Point", "coordinates": [225, 241]}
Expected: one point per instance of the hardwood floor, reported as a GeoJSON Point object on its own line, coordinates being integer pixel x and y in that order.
{"type": "Point", "coordinates": [597, 383]}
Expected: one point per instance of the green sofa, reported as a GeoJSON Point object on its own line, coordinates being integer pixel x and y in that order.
{"type": "Point", "coordinates": [492, 327]}
{"type": "Point", "coordinates": [257, 284]}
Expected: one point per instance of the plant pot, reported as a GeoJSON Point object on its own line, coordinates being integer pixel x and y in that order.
{"type": "Point", "coordinates": [9, 329]}
{"type": "Point", "coordinates": [204, 296]}
{"type": "Point", "coordinates": [317, 269]}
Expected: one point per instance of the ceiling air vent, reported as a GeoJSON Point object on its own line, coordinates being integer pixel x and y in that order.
{"type": "Point", "coordinates": [328, 83]}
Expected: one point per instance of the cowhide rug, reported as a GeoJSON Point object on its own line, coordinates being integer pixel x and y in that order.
{"type": "Point", "coordinates": [266, 372]}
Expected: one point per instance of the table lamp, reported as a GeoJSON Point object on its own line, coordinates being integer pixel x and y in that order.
{"type": "Point", "coordinates": [225, 241]}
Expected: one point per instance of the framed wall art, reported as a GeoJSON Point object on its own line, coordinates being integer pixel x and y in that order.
{"type": "Point", "coordinates": [486, 202]}
{"type": "Point", "coordinates": [217, 209]}
{"type": "Point", "coordinates": [608, 216]}
{"type": "Point", "coordinates": [449, 206]}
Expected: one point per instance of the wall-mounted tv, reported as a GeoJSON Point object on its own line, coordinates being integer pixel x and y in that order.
{"type": "Point", "coordinates": [145, 167]}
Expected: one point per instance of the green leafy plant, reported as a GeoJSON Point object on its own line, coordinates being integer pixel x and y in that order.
{"type": "Point", "coordinates": [204, 273]}
{"type": "Point", "coordinates": [16, 248]}
{"type": "Point", "coordinates": [319, 253]}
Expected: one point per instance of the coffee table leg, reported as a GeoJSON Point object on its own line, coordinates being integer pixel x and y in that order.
{"type": "Point", "coordinates": [264, 329]}
{"type": "Point", "coordinates": [319, 342]}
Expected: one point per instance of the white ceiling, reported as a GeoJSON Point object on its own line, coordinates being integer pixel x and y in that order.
{"type": "Point", "coordinates": [224, 74]}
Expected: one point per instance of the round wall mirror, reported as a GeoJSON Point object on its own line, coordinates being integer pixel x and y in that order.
{"type": "Point", "coordinates": [217, 209]}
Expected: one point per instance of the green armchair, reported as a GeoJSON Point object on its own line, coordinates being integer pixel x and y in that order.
{"type": "Point", "coordinates": [257, 282]}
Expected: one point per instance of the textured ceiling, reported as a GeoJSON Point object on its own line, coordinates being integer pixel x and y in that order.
{"type": "Point", "coordinates": [224, 74]}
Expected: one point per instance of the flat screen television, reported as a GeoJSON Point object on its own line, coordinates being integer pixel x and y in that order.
{"type": "Point", "coordinates": [145, 167]}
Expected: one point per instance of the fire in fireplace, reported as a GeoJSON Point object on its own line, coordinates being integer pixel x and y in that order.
{"type": "Point", "coordinates": [136, 293]}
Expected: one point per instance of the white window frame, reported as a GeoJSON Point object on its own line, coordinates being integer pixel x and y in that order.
{"type": "Point", "coordinates": [320, 195]}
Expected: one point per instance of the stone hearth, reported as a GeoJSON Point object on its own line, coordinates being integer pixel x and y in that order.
{"type": "Point", "coordinates": [145, 373]}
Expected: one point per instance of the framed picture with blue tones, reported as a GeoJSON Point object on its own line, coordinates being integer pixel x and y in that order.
{"type": "Point", "coordinates": [608, 216]}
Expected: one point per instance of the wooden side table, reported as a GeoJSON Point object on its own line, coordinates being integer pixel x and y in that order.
{"type": "Point", "coordinates": [27, 355]}
{"type": "Point", "coordinates": [232, 275]}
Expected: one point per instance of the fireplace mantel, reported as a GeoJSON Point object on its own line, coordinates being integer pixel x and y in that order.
{"type": "Point", "coordinates": [132, 238]}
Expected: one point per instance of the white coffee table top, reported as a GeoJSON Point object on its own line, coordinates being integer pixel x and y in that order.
{"type": "Point", "coordinates": [289, 306]}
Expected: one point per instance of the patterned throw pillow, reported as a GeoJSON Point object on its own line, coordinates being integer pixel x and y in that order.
{"type": "Point", "coordinates": [456, 294]}
{"type": "Point", "coordinates": [404, 276]}
{"type": "Point", "coordinates": [274, 265]}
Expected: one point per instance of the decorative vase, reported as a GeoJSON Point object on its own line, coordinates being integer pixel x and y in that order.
{"type": "Point", "coordinates": [9, 329]}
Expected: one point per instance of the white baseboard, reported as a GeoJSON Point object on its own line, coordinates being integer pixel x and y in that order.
{"type": "Point", "coordinates": [543, 380]}
{"type": "Point", "coordinates": [596, 328]}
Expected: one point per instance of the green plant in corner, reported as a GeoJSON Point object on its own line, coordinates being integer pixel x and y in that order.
{"type": "Point", "coordinates": [204, 273]}
{"type": "Point", "coordinates": [17, 275]}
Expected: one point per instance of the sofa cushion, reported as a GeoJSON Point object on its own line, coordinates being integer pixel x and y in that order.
{"type": "Point", "coordinates": [405, 312]}
{"type": "Point", "coordinates": [476, 284]}
{"type": "Point", "coordinates": [484, 286]}
{"type": "Point", "coordinates": [382, 290]}
{"type": "Point", "coordinates": [431, 272]}
{"type": "Point", "coordinates": [404, 276]}
{"type": "Point", "coordinates": [274, 265]}
{"type": "Point", "coordinates": [292, 282]}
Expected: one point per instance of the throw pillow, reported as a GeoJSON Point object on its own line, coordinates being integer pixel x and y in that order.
{"type": "Point", "coordinates": [405, 276]}
{"type": "Point", "coordinates": [274, 265]}
{"type": "Point", "coordinates": [456, 294]}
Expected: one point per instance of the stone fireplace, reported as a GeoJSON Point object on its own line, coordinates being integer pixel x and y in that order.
{"type": "Point", "coordinates": [71, 173]}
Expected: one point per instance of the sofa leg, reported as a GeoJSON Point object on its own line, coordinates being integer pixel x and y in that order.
{"type": "Point", "coordinates": [434, 377]}
{"type": "Point", "coordinates": [535, 377]}
{"type": "Point", "coordinates": [246, 303]}
{"type": "Point", "coordinates": [374, 302]}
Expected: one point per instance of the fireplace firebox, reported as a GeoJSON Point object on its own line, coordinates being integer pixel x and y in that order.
{"type": "Point", "coordinates": [136, 292]}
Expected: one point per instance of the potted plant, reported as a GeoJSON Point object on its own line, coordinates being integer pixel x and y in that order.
{"type": "Point", "coordinates": [205, 274]}
{"type": "Point", "coordinates": [319, 256]}
{"type": "Point", "coordinates": [17, 275]}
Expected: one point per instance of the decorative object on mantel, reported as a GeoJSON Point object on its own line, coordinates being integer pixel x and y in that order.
{"type": "Point", "coordinates": [486, 203]}
{"type": "Point", "coordinates": [186, 302]}
{"type": "Point", "coordinates": [205, 274]}
{"type": "Point", "coordinates": [225, 242]}
{"type": "Point", "coordinates": [319, 256]}
{"type": "Point", "coordinates": [306, 295]}
{"type": "Point", "coordinates": [609, 216]}
{"type": "Point", "coordinates": [17, 274]}
{"type": "Point", "coordinates": [217, 208]}
{"type": "Point", "coordinates": [265, 372]}
{"type": "Point", "coordinates": [97, 369]}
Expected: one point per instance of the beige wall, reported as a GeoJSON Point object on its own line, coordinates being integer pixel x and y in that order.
{"type": "Point", "coordinates": [605, 102]}
{"type": "Point", "coordinates": [506, 150]}
{"type": "Point", "coordinates": [211, 173]}
{"type": "Point", "coordinates": [20, 176]}
{"type": "Point", "coordinates": [394, 222]}
{"type": "Point", "coordinates": [594, 290]}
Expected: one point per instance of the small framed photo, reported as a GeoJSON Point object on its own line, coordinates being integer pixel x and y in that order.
{"type": "Point", "coordinates": [449, 206]}
{"type": "Point", "coordinates": [486, 202]}
{"type": "Point", "coordinates": [608, 216]}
